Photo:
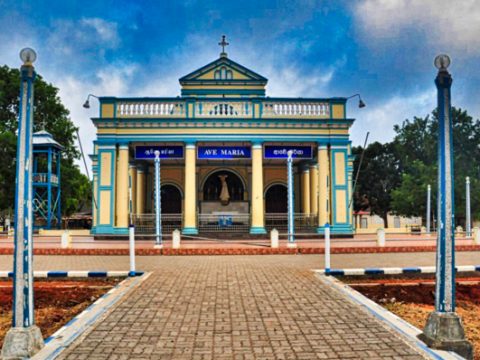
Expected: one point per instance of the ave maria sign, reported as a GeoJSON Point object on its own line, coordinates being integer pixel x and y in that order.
{"type": "Point", "coordinates": [224, 152]}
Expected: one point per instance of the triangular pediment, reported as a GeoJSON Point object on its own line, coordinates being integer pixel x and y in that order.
{"type": "Point", "coordinates": [223, 70]}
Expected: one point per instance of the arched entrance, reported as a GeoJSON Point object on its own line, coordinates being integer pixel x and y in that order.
{"type": "Point", "coordinates": [212, 187]}
{"type": "Point", "coordinates": [276, 199]}
{"type": "Point", "coordinates": [171, 199]}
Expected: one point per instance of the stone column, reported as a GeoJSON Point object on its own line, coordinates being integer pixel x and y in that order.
{"type": "Point", "coordinates": [140, 191]}
{"type": "Point", "coordinates": [323, 180]}
{"type": "Point", "coordinates": [306, 190]}
{"type": "Point", "coordinates": [258, 217]}
{"type": "Point", "coordinates": [314, 189]}
{"type": "Point", "coordinates": [121, 218]}
{"type": "Point", "coordinates": [190, 212]}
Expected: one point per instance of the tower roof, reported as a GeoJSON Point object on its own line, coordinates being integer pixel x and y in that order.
{"type": "Point", "coordinates": [44, 138]}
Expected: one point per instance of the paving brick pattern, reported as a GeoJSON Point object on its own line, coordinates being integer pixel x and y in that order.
{"type": "Point", "coordinates": [238, 307]}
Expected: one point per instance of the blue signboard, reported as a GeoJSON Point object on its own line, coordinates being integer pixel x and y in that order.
{"type": "Point", "coordinates": [224, 152]}
{"type": "Point", "coordinates": [280, 152]}
{"type": "Point", "coordinates": [166, 152]}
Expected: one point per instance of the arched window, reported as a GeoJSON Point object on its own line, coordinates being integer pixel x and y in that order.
{"type": "Point", "coordinates": [213, 186]}
{"type": "Point", "coordinates": [229, 74]}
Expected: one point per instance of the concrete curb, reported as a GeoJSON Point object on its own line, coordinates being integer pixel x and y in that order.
{"type": "Point", "coordinates": [75, 274]}
{"type": "Point", "coordinates": [392, 271]}
{"type": "Point", "coordinates": [241, 251]}
{"type": "Point", "coordinates": [66, 335]}
{"type": "Point", "coordinates": [407, 331]}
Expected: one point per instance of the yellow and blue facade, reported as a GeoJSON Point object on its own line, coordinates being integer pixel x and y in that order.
{"type": "Point", "coordinates": [223, 123]}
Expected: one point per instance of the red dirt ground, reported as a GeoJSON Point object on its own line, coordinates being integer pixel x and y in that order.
{"type": "Point", "coordinates": [413, 302]}
{"type": "Point", "coordinates": [56, 302]}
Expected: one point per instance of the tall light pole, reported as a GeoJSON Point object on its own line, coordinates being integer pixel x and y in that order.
{"type": "Point", "coordinates": [291, 229]}
{"type": "Point", "coordinates": [468, 219]}
{"type": "Point", "coordinates": [158, 205]}
{"type": "Point", "coordinates": [24, 339]}
{"type": "Point", "coordinates": [429, 211]}
{"type": "Point", "coordinates": [444, 328]}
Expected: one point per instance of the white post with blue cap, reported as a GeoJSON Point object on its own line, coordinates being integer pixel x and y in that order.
{"type": "Point", "coordinates": [429, 195]}
{"type": "Point", "coordinates": [468, 220]}
{"type": "Point", "coordinates": [327, 248]}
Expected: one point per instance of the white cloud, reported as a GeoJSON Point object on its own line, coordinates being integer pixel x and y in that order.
{"type": "Point", "coordinates": [108, 31]}
{"type": "Point", "coordinates": [379, 118]}
{"type": "Point", "coordinates": [445, 24]}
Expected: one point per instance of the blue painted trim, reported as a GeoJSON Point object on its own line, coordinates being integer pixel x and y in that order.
{"type": "Point", "coordinates": [334, 272]}
{"type": "Point", "coordinates": [120, 231]}
{"type": "Point", "coordinates": [257, 230]}
{"type": "Point", "coordinates": [57, 274]}
{"type": "Point", "coordinates": [192, 139]}
{"type": "Point", "coordinates": [190, 231]}
{"type": "Point", "coordinates": [188, 92]}
{"type": "Point", "coordinates": [374, 271]}
{"type": "Point", "coordinates": [96, 274]}
{"type": "Point", "coordinates": [411, 270]}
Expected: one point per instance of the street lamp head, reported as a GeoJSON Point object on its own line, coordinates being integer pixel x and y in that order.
{"type": "Point", "coordinates": [361, 104]}
{"type": "Point", "coordinates": [28, 56]}
{"type": "Point", "coordinates": [290, 153]}
{"type": "Point", "coordinates": [156, 153]}
{"type": "Point", "coordinates": [86, 105]}
{"type": "Point", "coordinates": [442, 62]}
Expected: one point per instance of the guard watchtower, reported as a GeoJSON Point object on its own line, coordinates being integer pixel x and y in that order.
{"type": "Point", "coordinates": [46, 181]}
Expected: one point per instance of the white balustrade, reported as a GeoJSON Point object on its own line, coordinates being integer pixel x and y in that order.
{"type": "Point", "coordinates": [291, 109]}
{"type": "Point", "coordinates": [221, 109]}
{"type": "Point", "coordinates": [150, 109]}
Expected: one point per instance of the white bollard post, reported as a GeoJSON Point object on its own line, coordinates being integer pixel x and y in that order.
{"type": "Point", "coordinates": [274, 238]}
{"type": "Point", "coordinates": [66, 241]}
{"type": "Point", "coordinates": [327, 247]}
{"type": "Point", "coordinates": [476, 236]}
{"type": "Point", "coordinates": [131, 247]}
{"type": "Point", "coordinates": [176, 239]}
{"type": "Point", "coordinates": [381, 237]}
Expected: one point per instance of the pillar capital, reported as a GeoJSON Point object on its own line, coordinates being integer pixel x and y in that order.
{"type": "Point", "coordinates": [123, 146]}
{"type": "Point", "coordinates": [257, 144]}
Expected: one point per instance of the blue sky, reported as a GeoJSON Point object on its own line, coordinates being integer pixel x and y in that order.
{"type": "Point", "coordinates": [382, 49]}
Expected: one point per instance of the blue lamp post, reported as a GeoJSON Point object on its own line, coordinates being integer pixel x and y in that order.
{"type": "Point", "coordinates": [444, 328]}
{"type": "Point", "coordinates": [24, 339]}
{"type": "Point", "coordinates": [158, 205]}
{"type": "Point", "coordinates": [290, 203]}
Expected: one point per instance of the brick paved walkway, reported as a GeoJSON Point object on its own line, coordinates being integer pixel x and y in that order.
{"type": "Point", "coordinates": [238, 307]}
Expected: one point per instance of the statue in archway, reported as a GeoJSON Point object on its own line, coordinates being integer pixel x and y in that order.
{"type": "Point", "coordinates": [224, 194]}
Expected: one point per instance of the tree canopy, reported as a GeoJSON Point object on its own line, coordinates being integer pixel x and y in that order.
{"type": "Point", "coordinates": [404, 167]}
{"type": "Point", "coordinates": [50, 115]}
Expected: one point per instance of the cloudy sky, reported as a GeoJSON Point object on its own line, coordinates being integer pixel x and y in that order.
{"type": "Point", "coordinates": [382, 49]}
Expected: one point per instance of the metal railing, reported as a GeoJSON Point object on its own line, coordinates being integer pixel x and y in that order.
{"type": "Point", "coordinates": [302, 222]}
{"type": "Point", "coordinates": [226, 223]}
{"type": "Point", "coordinates": [145, 223]}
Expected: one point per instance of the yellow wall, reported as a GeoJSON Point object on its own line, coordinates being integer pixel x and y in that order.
{"type": "Point", "coordinates": [106, 170]}
{"type": "Point", "coordinates": [107, 110]}
{"type": "Point", "coordinates": [338, 111]}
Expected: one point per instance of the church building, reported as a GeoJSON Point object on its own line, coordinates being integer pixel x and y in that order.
{"type": "Point", "coordinates": [223, 147]}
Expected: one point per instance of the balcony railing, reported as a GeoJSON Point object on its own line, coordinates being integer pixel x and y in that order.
{"type": "Point", "coordinates": [43, 178]}
{"type": "Point", "coordinates": [222, 108]}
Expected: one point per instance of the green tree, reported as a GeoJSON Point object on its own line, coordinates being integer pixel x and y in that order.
{"type": "Point", "coordinates": [415, 146]}
{"type": "Point", "coordinates": [377, 178]}
{"type": "Point", "coordinates": [51, 115]}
